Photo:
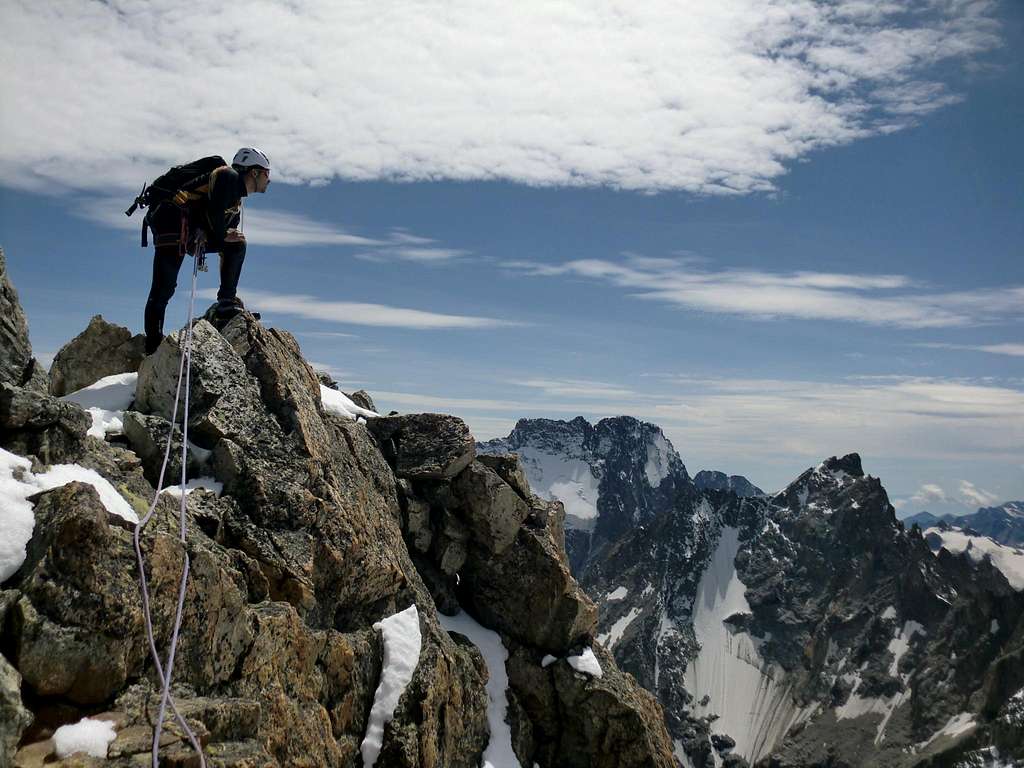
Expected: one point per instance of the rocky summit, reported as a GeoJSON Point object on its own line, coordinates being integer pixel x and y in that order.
{"type": "Point", "coordinates": [806, 628]}
{"type": "Point", "coordinates": [310, 535]}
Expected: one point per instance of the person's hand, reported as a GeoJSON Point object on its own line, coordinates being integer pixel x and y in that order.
{"type": "Point", "coordinates": [234, 236]}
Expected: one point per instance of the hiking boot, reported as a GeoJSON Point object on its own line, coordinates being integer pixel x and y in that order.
{"type": "Point", "coordinates": [228, 308]}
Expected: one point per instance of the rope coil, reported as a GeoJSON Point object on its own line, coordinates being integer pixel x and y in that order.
{"type": "Point", "coordinates": [184, 372]}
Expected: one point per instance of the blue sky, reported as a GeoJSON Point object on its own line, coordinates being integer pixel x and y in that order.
{"type": "Point", "coordinates": [801, 248]}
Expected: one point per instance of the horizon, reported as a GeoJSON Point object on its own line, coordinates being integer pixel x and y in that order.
{"type": "Point", "coordinates": [778, 238]}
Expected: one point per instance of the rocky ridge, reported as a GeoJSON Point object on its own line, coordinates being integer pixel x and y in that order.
{"type": "Point", "coordinates": [1003, 524]}
{"type": "Point", "coordinates": [325, 526]}
{"type": "Point", "coordinates": [809, 628]}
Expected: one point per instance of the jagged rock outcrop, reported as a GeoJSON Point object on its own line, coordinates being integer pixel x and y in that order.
{"type": "Point", "coordinates": [278, 660]}
{"type": "Point", "coordinates": [34, 423]}
{"type": "Point", "coordinates": [102, 349]}
{"type": "Point", "coordinates": [17, 366]}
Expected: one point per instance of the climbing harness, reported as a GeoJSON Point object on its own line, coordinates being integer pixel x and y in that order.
{"type": "Point", "coordinates": [165, 672]}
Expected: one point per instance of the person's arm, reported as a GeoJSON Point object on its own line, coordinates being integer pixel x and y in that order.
{"type": "Point", "coordinates": [223, 208]}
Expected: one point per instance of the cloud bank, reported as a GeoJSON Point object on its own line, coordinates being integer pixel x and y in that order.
{"type": "Point", "coordinates": [714, 96]}
{"type": "Point", "coordinates": [881, 300]}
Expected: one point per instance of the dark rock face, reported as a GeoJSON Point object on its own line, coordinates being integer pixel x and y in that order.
{"type": "Point", "coordinates": [102, 349]}
{"type": "Point", "coordinates": [425, 446]}
{"type": "Point", "coordinates": [33, 423]}
{"type": "Point", "coordinates": [17, 366]}
{"type": "Point", "coordinates": [362, 398]}
{"type": "Point", "coordinates": [709, 480]}
{"type": "Point", "coordinates": [278, 659]}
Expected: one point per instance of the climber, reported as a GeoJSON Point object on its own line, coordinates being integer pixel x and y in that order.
{"type": "Point", "coordinates": [203, 214]}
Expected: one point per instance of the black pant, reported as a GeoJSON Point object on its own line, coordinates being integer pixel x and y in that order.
{"type": "Point", "coordinates": [167, 258]}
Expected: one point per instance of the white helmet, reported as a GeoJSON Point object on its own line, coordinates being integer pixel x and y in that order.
{"type": "Point", "coordinates": [249, 157]}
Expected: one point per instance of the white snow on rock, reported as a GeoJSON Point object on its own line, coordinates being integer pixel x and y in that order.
{"type": "Point", "coordinates": [857, 706]}
{"type": "Point", "coordinates": [569, 481]}
{"type": "Point", "coordinates": [749, 695]}
{"type": "Point", "coordinates": [1009, 560]}
{"type": "Point", "coordinates": [87, 735]}
{"type": "Point", "coordinates": [658, 453]}
{"type": "Point", "coordinates": [994, 627]}
{"type": "Point", "coordinates": [335, 402]}
{"type": "Point", "coordinates": [207, 483]}
{"type": "Point", "coordinates": [499, 752]}
{"type": "Point", "coordinates": [890, 612]}
{"type": "Point", "coordinates": [680, 754]}
{"type": "Point", "coordinates": [955, 726]}
{"type": "Point", "coordinates": [900, 644]}
{"type": "Point", "coordinates": [618, 594]}
{"type": "Point", "coordinates": [547, 661]}
{"type": "Point", "coordinates": [106, 401]}
{"type": "Point", "coordinates": [586, 663]}
{"type": "Point", "coordinates": [402, 644]}
{"type": "Point", "coordinates": [613, 635]}
{"type": "Point", "coordinates": [17, 483]}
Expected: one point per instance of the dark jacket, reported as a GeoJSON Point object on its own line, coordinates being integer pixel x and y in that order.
{"type": "Point", "coordinates": [221, 208]}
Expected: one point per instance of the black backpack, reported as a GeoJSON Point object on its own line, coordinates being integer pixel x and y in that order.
{"type": "Point", "coordinates": [180, 185]}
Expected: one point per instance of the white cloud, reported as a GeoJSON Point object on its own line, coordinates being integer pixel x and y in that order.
{"type": "Point", "coordinates": [930, 493]}
{"type": "Point", "coordinates": [892, 300]}
{"type": "Point", "coordinates": [356, 313]}
{"type": "Point", "coordinates": [420, 254]}
{"type": "Point", "coordinates": [714, 97]}
{"type": "Point", "coordinates": [1013, 350]}
{"type": "Point", "coordinates": [576, 388]}
{"type": "Point", "coordinates": [976, 496]}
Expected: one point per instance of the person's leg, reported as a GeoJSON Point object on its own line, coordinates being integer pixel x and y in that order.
{"type": "Point", "coordinates": [167, 258]}
{"type": "Point", "coordinates": [231, 258]}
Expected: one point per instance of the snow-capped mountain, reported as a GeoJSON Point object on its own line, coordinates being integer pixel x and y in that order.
{"type": "Point", "coordinates": [806, 628]}
{"type": "Point", "coordinates": [611, 476]}
{"type": "Point", "coordinates": [1003, 524]}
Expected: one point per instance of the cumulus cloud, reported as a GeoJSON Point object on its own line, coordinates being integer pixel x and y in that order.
{"type": "Point", "coordinates": [357, 313]}
{"type": "Point", "coordinates": [892, 300]}
{"type": "Point", "coordinates": [976, 496]}
{"type": "Point", "coordinates": [930, 493]}
{"type": "Point", "coordinates": [716, 97]}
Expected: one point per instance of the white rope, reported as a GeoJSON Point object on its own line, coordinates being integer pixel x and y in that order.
{"type": "Point", "coordinates": [184, 371]}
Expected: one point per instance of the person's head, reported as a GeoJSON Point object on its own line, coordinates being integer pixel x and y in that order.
{"type": "Point", "coordinates": [254, 168]}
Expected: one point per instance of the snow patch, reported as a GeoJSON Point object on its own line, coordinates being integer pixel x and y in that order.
{"type": "Point", "coordinates": [586, 663]}
{"type": "Point", "coordinates": [17, 483]}
{"type": "Point", "coordinates": [499, 752]}
{"type": "Point", "coordinates": [613, 635]}
{"type": "Point", "coordinates": [570, 481]}
{"type": "Point", "coordinates": [87, 735]}
{"type": "Point", "coordinates": [106, 401]}
{"type": "Point", "coordinates": [547, 661]}
{"type": "Point", "coordinates": [207, 483]}
{"type": "Point", "coordinates": [402, 644]}
{"type": "Point", "coordinates": [749, 695]}
{"type": "Point", "coordinates": [955, 726]}
{"type": "Point", "coordinates": [889, 613]}
{"type": "Point", "coordinates": [657, 466]}
{"type": "Point", "coordinates": [618, 594]}
{"type": "Point", "coordinates": [335, 402]}
{"type": "Point", "coordinates": [994, 627]}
